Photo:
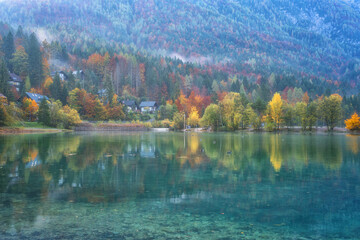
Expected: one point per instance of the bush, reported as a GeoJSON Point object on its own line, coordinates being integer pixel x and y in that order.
{"type": "Point", "coordinates": [145, 117]}
{"type": "Point", "coordinates": [162, 124]}
{"type": "Point", "coordinates": [270, 126]}
{"type": "Point", "coordinates": [178, 122]}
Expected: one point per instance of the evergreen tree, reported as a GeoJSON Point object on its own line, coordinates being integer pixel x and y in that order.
{"type": "Point", "coordinates": [19, 62]}
{"type": "Point", "coordinates": [9, 48]}
{"type": "Point", "coordinates": [109, 89]}
{"type": "Point", "coordinates": [19, 32]}
{"type": "Point", "coordinates": [27, 85]}
{"type": "Point", "coordinates": [4, 79]}
{"type": "Point", "coordinates": [63, 95]}
{"type": "Point", "coordinates": [55, 88]}
{"type": "Point", "coordinates": [35, 61]}
{"type": "Point", "coordinates": [44, 113]}
{"type": "Point", "coordinates": [3, 115]}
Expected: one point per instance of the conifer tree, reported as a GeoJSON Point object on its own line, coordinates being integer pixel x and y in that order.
{"type": "Point", "coordinates": [35, 61]}
{"type": "Point", "coordinates": [3, 115]}
{"type": "Point", "coordinates": [109, 89]}
{"type": "Point", "coordinates": [55, 88]}
{"type": "Point", "coordinates": [44, 113]}
{"type": "Point", "coordinates": [9, 48]}
{"type": "Point", "coordinates": [4, 78]}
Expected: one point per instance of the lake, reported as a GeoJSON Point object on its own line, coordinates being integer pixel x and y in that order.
{"type": "Point", "coordinates": [179, 186]}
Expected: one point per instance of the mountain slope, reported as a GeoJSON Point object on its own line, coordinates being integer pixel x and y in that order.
{"type": "Point", "coordinates": [312, 37]}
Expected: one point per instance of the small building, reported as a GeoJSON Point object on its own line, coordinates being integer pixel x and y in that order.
{"type": "Point", "coordinates": [148, 107]}
{"type": "Point", "coordinates": [79, 74]}
{"type": "Point", "coordinates": [15, 81]}
{"type": "Point", "coordinates": [102, 93]}
{"type": "Point", "coordinates": [62, 75]}
{"type": "Point", "coordinates": [36, 97]}
{"type": "Point", "coordinates": [3, 98]}
{"type": "Point", "coordinates": [131, 105]}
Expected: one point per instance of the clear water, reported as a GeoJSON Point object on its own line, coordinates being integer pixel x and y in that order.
{"type": "Point", "coordinates": [176, 186]}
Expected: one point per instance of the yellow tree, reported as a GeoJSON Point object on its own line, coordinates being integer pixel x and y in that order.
{"type": "Point", "coordinates": [30, 108]}
{"type": "Point", "coordinates": [276, 109]}
{"type": "Point", "coordinates": [194, 117]}
{"type": "Point", "coordinates": [353, 123]}
{"type": "Point", "coordinates": [232, 110]}
{"type": "Point", "coordinates": [330, 111]}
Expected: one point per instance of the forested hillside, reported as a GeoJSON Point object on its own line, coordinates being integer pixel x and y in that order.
{"type": "Point", "coordinates": [233, 57]}
{"type": "Point", "coordinates": [320, 38]}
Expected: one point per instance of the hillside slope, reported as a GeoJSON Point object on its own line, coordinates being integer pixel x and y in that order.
{"type": "Point", "coordinates": [319, 38]}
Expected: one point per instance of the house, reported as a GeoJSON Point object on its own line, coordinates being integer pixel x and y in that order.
{"type": "Point", "coordinates": [36, 97]}
{"type": "Point", "coordinates": [131, 105]}
{"type": "Point", "coordinates": [15, 81]}
{"type": "Point", "coordinates": [3, 98]}
{"type": "Point", "coordinates": [102, 93]}
{"type": "Point", "coordinates": [63, 76]}
{"type": "Point", "coordinates": [79, 74]}
{"type": "Point", "coordinates": [148, 107]}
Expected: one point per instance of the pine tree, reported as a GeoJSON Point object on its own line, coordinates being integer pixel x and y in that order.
{"type": "Point", "coordinates": [109, 89]}
{"type": "Point", "coordinates": [35, 61]}
{"type": "Point", "coordinates": [4, 79]}
{"type": "Point", "coordinates": [3, 115]}
{"type": "Point", "coordinates": [55, 88]}
{"type": "Point", "coordinates": [9, 48]}
{"type": "Point", "coordinates": [63, 95]}
{"type": "Point", "coordinates": [44, 113]}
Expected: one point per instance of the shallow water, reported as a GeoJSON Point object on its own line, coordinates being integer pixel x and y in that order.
{"type": "Point", "coordinates": [176, 186]}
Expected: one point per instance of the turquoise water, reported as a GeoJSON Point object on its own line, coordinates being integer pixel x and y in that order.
{"type": "Point", "coordinates": [176, 186]}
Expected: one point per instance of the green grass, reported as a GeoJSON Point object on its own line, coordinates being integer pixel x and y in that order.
{"type": "Point", "coordinates": [30, 125]}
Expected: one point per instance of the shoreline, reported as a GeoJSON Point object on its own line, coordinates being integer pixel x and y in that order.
{"type": "Point", "coordinates": [20, 131]}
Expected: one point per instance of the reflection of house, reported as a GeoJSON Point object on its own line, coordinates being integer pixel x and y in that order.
{"type": "Point", "coordinates": [148, 107]}
{"type": "Point", "coordinates": [33, 163]}
{"type": "Point", "coordinates": [131, 105]}
{"type": "Point", "coordinates": [63, 76]}
{"type": "Point", "coordinates": [36, 97]}
{"type": "Point", "coordinates": [147, 151]}
{"type": "Point", "coordinates": [15, 81]}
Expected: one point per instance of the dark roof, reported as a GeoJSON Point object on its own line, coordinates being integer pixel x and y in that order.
{"type": "Point", "coordinates": [14, 77]}
{"type": "Point", "coordinates": [129, 103]}
{"type": "Point", "coordinates": [36, 97]}
{"type": "Point", "coordinates": [148, 104]}
{"type": "Point", "coordinates": [61, 72]}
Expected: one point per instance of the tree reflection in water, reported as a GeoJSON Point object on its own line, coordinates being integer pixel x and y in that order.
{"type": "Point", "coordinates": [247, 172]}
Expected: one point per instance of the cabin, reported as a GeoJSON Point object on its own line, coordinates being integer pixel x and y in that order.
{"type": "Point", "coordinates": [131, 105]}
{"type": "Point", "coordinates": [3, 98]}
{"type": "Point", "coordinates": [62, 75]}
{"type": "Point", "coordinates": [79, 74]}
{"type": "Point", "coordinates": [148, 107]}
{"type": "Point", "coordinates": [36, 97]}
{"type": "Point", "coordinates": [15, 81]}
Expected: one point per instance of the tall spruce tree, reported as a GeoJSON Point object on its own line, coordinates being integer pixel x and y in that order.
{"type": "Point", "coordinates": [109, 89]}
{"type": "Point", "coordinates": [35, 61]}
{"type": "Point", "coordinates": [56, 88]}
{"type": "Point", "coordinates": [44, 113]}
{"type": "Point", "coordinates": [9, 49]}
{"type": "Point", "coordinates": [4, 79]}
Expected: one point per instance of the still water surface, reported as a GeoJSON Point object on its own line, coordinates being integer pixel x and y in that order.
{"type": "Point", "coordinates": [176, 186]}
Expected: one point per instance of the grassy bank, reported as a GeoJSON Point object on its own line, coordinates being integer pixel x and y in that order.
{"type": "Point", "coordinates": [28, 128]}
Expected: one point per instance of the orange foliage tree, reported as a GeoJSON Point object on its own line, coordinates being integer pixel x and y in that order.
{"type": "Point", "coordinates": [30, 108]}
{"type": "Point", "coordinates": [198, 101]}
{"type": "Point", "coordinates": [353, 123]}
{"type": "Point", "coordinates": [87, 104]}
{"type": "Point", "coordinates": [97, 63]}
